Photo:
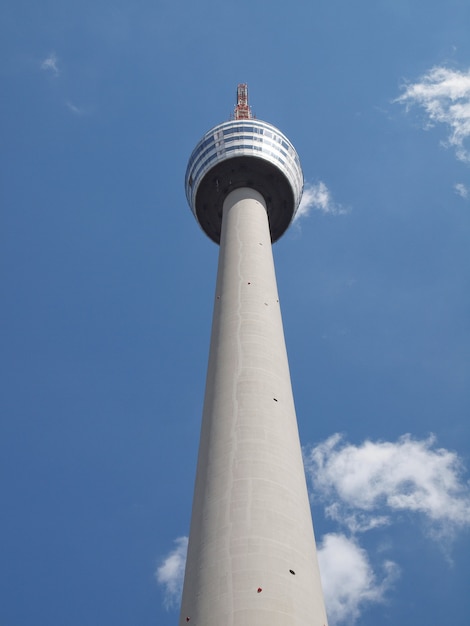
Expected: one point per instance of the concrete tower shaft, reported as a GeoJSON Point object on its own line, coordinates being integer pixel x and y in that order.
{"type": "Point", "coordinates": [251, 557]}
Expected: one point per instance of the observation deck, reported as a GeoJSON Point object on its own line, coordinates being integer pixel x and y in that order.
{"type": "Point", "coordinates": [244, 153]}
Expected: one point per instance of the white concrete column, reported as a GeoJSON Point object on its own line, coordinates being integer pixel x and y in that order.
{"type": "Point", "coordinates": [251, 557]}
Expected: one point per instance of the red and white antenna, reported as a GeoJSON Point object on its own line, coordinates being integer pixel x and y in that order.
{"type": "Point", "coordinates": [242, 109]}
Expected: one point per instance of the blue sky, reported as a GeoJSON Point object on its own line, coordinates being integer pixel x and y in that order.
{"type": "Point", "coordinates": [107, 287]}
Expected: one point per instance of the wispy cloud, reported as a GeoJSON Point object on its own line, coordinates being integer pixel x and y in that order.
{"type": "Point", "coordinates": [319, 198]}
{"type": "Point", "coordinates": [444, 94]}
{"type": "Point", "coordinates": [74, 109]}
{"type": "Point", "coordinates": [461, 190]}
{"type": "Point", "coordinates": [362, 485]}
{"type": "Point", "coordinates": [349, 581]}
{"type": "Point", "coordinates": [170, 573]}
{"type": "Point", "coordinates": [51, 64]}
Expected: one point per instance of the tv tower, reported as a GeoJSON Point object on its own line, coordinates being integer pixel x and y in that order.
{"type": "Point", "coordinates": [251, 556]}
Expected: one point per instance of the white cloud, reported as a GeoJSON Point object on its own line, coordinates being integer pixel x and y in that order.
{"type": "Point", "coordinates": [445, 96]}
{"type": "Point", "coordinates": [50, 64]}
{"type": "Point", "coordinates": [461, 190]}
{"type": "Point", "coordinates": [349, 582]}
{"type": "Point", "coordinates": [318, 197]}
{"type": "Point", "coordinates": [170, 573]}
{"type": "Point", "coordinates": [362, 485]}
{"type": "Point", "coordinates": [74, 109]}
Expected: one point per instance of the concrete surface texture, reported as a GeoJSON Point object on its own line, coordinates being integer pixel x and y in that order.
{"type": "Point", "coordinates": [251, 557]}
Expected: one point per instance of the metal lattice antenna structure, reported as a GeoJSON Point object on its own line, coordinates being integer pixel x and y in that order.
{"type": "Point", "coordinates": [242, 108]}
{"type": "Point", "coordinates": [251, 555]}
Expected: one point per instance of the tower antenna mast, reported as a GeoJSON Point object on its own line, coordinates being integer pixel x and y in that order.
{"type": "Point", "coordinates": [242, 108]}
